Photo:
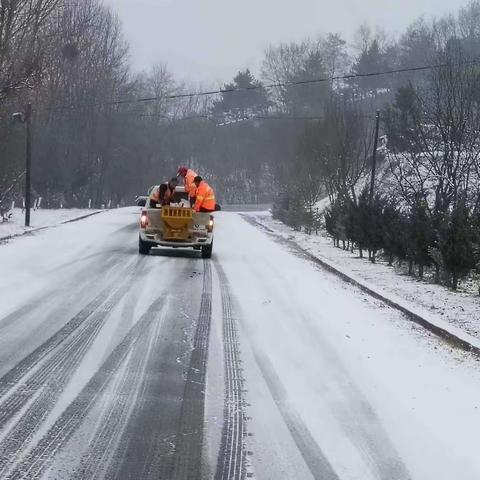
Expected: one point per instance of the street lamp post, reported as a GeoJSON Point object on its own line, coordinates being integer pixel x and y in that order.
{"type": "Point", "coordinates": [26, 118]}
{"type": "Point", "coordinates": [28, 166]}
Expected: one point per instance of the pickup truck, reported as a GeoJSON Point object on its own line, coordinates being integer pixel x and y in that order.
{"type": "Point", "coordinates": [176, 225]}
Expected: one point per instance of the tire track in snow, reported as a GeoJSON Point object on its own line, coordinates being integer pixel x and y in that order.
{"type": "Point", "coordinates": [231, 458]}
{"type": "Point", "coordinates": [252, 220]}
{"type": "Point", "coordinates": [311, 452]}
{"type": "Point", "coordinates": [189, 442]}
{"type": "Point", "coordinates": [41, 456]}
{"type": "Point", "coordinates": [30, 307]}
{"type": "Point", "coordinates": [10, 380]}
{"type": "Point", "coordinates": [45, 298]}
{"type": "Point", "coordinates": [351, 409]}
{"type": "Point", "coordinates": [147, 444]}
{"type": "Point", "coordinates": [37, 368]}
{"type": "Point", "coordinates": [49, 380]}
{"type": "Point", "coordinates": [95, 463]}
{"type": "Point", "coordinates": [357, 417]}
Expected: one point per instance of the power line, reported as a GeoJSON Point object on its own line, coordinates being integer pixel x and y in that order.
{"type": "Point", "coordinates": [234, 121]}
{"type": "Point", "coordinates": [214, 118]}
{"type": "Point", "coordinates": [178, 96]}
{"type": "Point", "coordinates": [287, 117]}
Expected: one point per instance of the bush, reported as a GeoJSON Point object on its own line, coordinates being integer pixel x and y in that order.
{"type": "Point", "coordinates": [394, 229]}
{"type": "Point", "coordinates": [421, 236]}
{"type": "Point", "coordinates": [457, 239]}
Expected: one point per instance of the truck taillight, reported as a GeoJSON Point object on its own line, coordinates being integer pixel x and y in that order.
{"type": "Point", "coordinates": [144, 220]}
{"type": "Point", "coordinates": [211, 223]}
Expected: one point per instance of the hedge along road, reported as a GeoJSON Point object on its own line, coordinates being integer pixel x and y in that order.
{"type": "Point", "coordinates": [256, 363]}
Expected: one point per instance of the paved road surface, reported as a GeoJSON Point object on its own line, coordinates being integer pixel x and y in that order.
{"type": "Point", "coordinates": [255, 364]}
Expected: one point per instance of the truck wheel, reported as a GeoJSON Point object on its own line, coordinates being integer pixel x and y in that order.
{"type": "Point", "coordinates": [207, 251]}
{"type": "Point", "coordinates": [143, 247]}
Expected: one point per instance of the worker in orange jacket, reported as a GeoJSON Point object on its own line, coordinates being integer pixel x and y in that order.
{"type": "Point", "coordinates": [205, 200]}
{"type": "Point", "coordinates": [188, 178]}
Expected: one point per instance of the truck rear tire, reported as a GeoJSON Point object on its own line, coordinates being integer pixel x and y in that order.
{"type": "Point", "coordinates": [207, 251]}
{"type": "Point", "coordinates": [143, 247]}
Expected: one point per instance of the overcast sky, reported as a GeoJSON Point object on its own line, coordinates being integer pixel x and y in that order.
{"type": "Point", "coordinates": [210, 40]}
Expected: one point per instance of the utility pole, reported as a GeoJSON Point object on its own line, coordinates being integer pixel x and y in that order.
{"type": "Point", "coordinates": [374, 157]}
{"type": "Point", "coordinates": [28, 180]}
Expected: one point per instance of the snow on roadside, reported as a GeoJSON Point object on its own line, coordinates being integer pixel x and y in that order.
{"type": "Point", "coordinates": [39, 218]}
{"type": "Point", "coordinates": [459, 309]}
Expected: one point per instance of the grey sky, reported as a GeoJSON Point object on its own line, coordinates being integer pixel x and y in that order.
{"type": "Point", "coordinates": [210, 40]}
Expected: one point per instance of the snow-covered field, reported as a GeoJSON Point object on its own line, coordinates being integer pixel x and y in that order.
{"type": "Point", "coordinates": [39, 218]}
{"type": "Point", "coordinates": [460, 309]}
{"type": "Point", "coordinates": [115, 365]}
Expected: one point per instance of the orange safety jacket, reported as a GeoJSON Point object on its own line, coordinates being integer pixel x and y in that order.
{"type": "Point", "coordinates": [205, 197]}
{"type": "Point", "coordinates": [190, 187]}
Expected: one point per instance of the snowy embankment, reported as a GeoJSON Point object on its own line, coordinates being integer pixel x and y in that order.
{"type": "Point", "coordinates": [40, 218]}
{"type": "Point", "coordinates": [457, 313]}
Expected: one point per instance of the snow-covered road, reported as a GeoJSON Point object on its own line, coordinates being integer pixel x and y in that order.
{"type": "Point", "coordinates": [256, 364]}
